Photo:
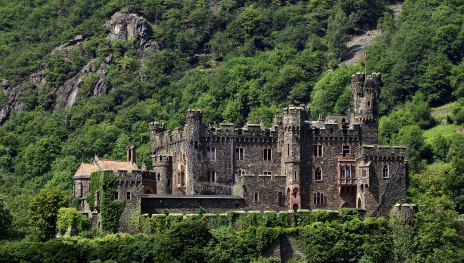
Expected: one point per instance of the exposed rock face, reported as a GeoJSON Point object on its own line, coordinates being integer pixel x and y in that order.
{"type": "Point", "coordinates": [126, 26]}
{"type": "Point", "coordinates": [122, 26]}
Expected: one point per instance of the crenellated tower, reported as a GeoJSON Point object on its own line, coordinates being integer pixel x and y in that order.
{"type": "Point", "coordinates": [293, 124]}
{"type": "Point", "coordinates": [365, 111]}
{"type": "Point", "coordinates": [193, 132]}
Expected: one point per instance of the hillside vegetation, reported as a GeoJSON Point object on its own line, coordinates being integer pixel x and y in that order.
{"type": "Point", "coordinates": [239, 61]}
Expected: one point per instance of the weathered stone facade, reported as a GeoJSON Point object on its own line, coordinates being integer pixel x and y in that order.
{"type": "Point", "coordinates": [296, 164]}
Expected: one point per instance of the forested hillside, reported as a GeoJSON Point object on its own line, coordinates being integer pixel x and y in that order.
{"type": "Point", "coordinates": [239, 61]}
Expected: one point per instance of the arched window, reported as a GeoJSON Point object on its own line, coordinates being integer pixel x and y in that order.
{"type": "Point", "coordinates": [318, 174]}
{"type": "Point", "coordinates": [359, 203]}
{"type": "Point", "coordinates": [237, 174]}
{"type": "Point", "coordinates": [295, 192]}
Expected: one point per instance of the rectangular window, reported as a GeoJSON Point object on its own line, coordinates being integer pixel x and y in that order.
{"type": "Point", "coordinates": [363, 173]}
{"type": "Point", "coordinates": [267, 154]}
{"type": "Point", "coordinates": [318, 174]}
{"type": "Point", "coordinates": [267, 173]}
{"type": "Point", "coordinates": [256, 197]}
{"type": "Point", "coordinates": [294, 175]}
{"type": "Point", "coordinates": [116, 195]}
{"type": "Point", "coordinates": [342, 172]}
{"type": "Point", "coordinates": [318, 199]}
{"type": "Point", "coordinates": [317, 150]}
{"type": "Point", "coordinates": [128, 195]}
{"type": "Point", "coordinates": [211, 153]}
{"type": "Point", "coordinates": [288, 149]}
{"type": "Point", "coordinates": [239, 153]}
{"type": "Point", "coordinates": [212, 176]}
{"type": "Point", "coordinates": [346, 150]}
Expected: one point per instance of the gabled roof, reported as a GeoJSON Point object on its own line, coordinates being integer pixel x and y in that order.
{"type": "Point", "coordinates": [86, 169]}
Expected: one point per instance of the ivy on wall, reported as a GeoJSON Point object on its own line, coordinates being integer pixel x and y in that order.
{"type": "Point", "coordinates": [105, 182]}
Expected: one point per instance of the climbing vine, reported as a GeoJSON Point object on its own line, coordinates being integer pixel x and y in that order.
{"type": "Point", "coordinates": [105, 183]}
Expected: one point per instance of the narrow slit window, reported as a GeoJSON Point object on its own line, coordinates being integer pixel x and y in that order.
{"type": "Point", "coordinates": [211, 176]}
{"type": "Point", "coordinates": [385, 172]}
{"type": "Point", "coordinates": [318, 174]}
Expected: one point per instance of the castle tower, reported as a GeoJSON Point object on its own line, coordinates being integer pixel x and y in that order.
{"type": "Point", "coordinates": [162, 167]}
{"type": "Point", "coordinates": [293, 133]}
{"type": "Point", "coordinates": [193, 132]}
{"type": "Point", "coordinates": [365, 111]}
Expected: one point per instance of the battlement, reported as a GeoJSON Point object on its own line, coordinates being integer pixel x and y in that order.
{"type": "Point", "coordinates": [381, 152]}
{"type": "Point", "coordinates": [195, 115]}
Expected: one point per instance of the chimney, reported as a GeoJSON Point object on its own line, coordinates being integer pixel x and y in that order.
{"type": "Point", "coordinates": [131, 155]}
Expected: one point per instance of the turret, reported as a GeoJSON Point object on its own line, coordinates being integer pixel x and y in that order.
{"type": "Point", "coordinates": [193, 132]}
{"type": "Point", "coordinates": [293, 123]}
{"type": "Point", "coordinates": [162, 167]}
{"type": "Point", "coordinates": [365, 111]}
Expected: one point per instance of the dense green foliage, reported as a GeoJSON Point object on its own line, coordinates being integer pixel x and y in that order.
{"type": "Point", "coordinates": [324, 238]}
{"type": "Point", "coordinates": [103, 184]}
{"type": "Point", "coordinates": [43, 213]}
{"type": "Point", "coordinates": [240, 61]}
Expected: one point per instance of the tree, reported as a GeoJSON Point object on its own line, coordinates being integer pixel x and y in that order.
{"type": "Point", "coordinates": [337, 34]}
{"type": "Point", "coordinates": [43, 212]}
{"type": "Point", "coordinates": [6, 221]}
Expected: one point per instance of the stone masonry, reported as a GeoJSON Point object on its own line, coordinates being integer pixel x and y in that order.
{"type": "Point", "coordinates": [298, 163]}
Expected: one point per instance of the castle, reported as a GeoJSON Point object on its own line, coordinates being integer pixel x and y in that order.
{"type": "Point", "coordinates": [296, 164]}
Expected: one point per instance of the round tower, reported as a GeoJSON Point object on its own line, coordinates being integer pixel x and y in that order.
{"type": "Point", "coordinates": [162, 167]}
{"type": "Point", "coordinates": [366, 92]}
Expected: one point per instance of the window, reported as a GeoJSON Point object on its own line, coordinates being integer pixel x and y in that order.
{"type": "Point", "coordinates": [239, 153]}
{"type": "Point", "coordinates": [211, 176]}
{"type": "Point", "coordinates": [318, 174]}
{"type": "Point", "coordinates": [294, 175]}
{"type": "Point", "coordinates": [280, 198]}
{"type": "Point", "coordinates": [116, 195]}
{"type": "Point", "coordinates": [364, 173]}
{"type": "Point", "coordinates": [237, 174]}
{"type": "Point", "coordinates": [317, 150]}
{"type": "Point", "coordinates": [267, 154]}
{"type": "Point", "coordinates": [385, 173]}
{"type": "Point", "coordinates": [158, 177]}
{"type": "Point", "coordinates": [288, 149]}
{"type": "Point", "coordinates": [267, 173]}
{"type": "Point", "coordinates": [317, 131]}
{"type": "Point", "coordinates": [342, 172]}
{"type": "Point", "coordinates": [318, 199]}
{"type": "Point", "coordinates": [256, 197]}
{"type": "Point", "coordinates": [211, 153]}
{"type": "Point", "coordinates": [346, 150]}
{"type": "Point", "coordinates": [348, 172]}
{"type": "Point", "coordinates": [128, 195]}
